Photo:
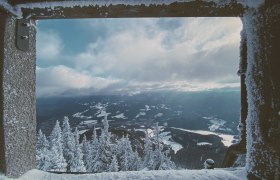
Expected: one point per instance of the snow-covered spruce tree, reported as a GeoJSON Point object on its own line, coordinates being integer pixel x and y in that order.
{"type": "Point", "coordinates": [121, 154]}
{"type": "Point", "coordinates": [148, 153]}
{"type": "Point", "coordinates": [77, 164]}
{"type": "Point", "coordinates": [156, 159]}
{"type": "Point", "coordinates": [136, 161]}
{"type": "Point", "coordinates": [105, 130]}
{"type": "Point", "coordinates": [93, 148]}
{"type": "Point", "coordinates": [161, 159]}
{"type": "Point", "coordinates": [126, 155]}
{"type": "Point", "coordinates": [42, 152]}
{"type": "Point", "coordinates": [68, 140]}
{"type": "Point", "coordinates": [86, 150]}
{"type": "Point", "coordinates": [58, 162]}
{"type": "Point", "coordinates": [167, 163]}
{"type": "Point", "coordinates": [114, 167]}
{"type": "Point", "coordinates": [104, 154]}
{"type": "Point", "coordinates": [119, 151]}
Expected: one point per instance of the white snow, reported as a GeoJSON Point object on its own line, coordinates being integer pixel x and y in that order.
{"type": "Point", "coordinates": [17, 10]}
{"type": "Point", "coordinates": [142, 130]}
{"type": "Point", "coordinates": [207, 117]}
{"type": "Point", "coordinates": [163, 106]}
{"type": "Point", "coordinates": [204, 144]}
{"type": "Point", "coordinates": [103, 114]}
{"type": "Point", "coordinates": [119, 116]}
{"type": "Point", "coordinates": [150, 132]}
{"type": "Point", "coordinates": [78, 114]}
{"type": "Point", "coordinates": [101, 109]}
{"type": "Point", "coordinates": [204, 174]}
{"type": "Point", "coordinates": [158, 115]}
{"type": "Point", "coordinates": [227, 139]}
{"type": "Point", "coordinates": [88, 122]}
{"type": "Point", "coordinates": [216, 124]}
{"type": "Point", "coordinates": [99, 106]}
{"type": "Point", "coordinates": [83, 131]}
{"type": "Point", "coordinates": [81, 116]}
{"type": "Point", "coordinates": [147, 107]}
{"type": "Point", "coordinates": [166, 139]}
{"type": "Point", "coordinates": [140, 114]}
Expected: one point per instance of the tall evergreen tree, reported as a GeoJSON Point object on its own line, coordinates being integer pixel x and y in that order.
{"type": "Point", "coordinates": [86, 150]}
{"type": "Point", "coordinates": [136, 161]}
{"type": "Point", "coordinates": [42, 152]}
{"type": "Point", "coordinates": [68, 140]}
{"type": "Point", "coordinates": [166, 163]}
{"type": "Point", "coordinates": [127, 155]}
{"type": "Point", "coordinates": [120, 152]}
{"type": "Point", "coordinates": [114, 167]}
{"type": "Point", "coordinates": [77, 164]}
{"type": "Point", "coordinates": [94, 145]}
{"type": "Point", "coordinates": [161, 160]}
{"type": "Point", "coordinates": [58, 163]}
{"type": "Point", "coordinates": [104, 154]}
{"type": "Point", "coordinates": [105, 131]}
{"type": "Point", "coordinates": [148, 153]}
{"type": "Point", "coordinates": [157, 154]}
{"type": "Point", "coordinates": [158, 158]}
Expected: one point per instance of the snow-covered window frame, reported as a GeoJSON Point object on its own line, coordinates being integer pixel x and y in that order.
{"type": "Point", "coordinates": [260, 78]}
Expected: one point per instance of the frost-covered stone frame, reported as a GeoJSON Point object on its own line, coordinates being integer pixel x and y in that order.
{"type": "Point", "coordinates": [261, 76]}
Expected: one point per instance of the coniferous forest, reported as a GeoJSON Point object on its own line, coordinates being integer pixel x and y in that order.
{"type": "Point", "coordinates": [62, 151]}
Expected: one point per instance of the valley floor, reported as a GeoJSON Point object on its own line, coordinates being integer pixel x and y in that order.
{"type": "Point", "coordinates": [216, 174]}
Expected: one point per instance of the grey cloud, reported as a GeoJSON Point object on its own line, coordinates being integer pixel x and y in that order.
{"type": "Point", "coordinates": [153, 54]}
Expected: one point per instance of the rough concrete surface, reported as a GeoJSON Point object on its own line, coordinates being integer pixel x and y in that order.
{"type": "Point", "coordinates": [18, 116]}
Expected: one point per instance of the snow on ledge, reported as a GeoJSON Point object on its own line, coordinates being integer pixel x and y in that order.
{"type": "Point", "coordinates": [222, 174]}
{"type": "Point", "coordinates": [16, 10]}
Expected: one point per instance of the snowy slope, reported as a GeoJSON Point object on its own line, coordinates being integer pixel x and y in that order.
{"type": "Point", "coordinates": [222, 174]}
{"type": "Point", "coordinates": [227, 139]}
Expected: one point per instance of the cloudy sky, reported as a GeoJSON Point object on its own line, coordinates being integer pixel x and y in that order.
{"type": "Point", "coordinates": [120, 56]}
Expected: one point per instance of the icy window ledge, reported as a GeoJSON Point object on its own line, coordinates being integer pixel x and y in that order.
{"type": "Point", "coordinates": [16, 10]}
{"type": "Point", "coordinates": [229, 174]}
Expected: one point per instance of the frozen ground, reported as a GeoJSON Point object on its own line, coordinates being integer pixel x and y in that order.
{"type": "Point", "coordinates": [216, 174]}
{"type": "Point", "coordinates": [167, 139]}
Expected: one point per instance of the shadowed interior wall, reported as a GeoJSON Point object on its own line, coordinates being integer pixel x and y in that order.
{"type": "Point", "coordinates": [18, 116]}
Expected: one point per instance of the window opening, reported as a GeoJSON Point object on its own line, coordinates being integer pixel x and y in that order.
{"type": "Point", "coordinates": [177, 72]}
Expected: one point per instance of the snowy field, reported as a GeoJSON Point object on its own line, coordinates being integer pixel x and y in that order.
{"type": "Point", "coordinates": [227, 139]}
{"type": "Point", "coordinates": [216, 174]}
